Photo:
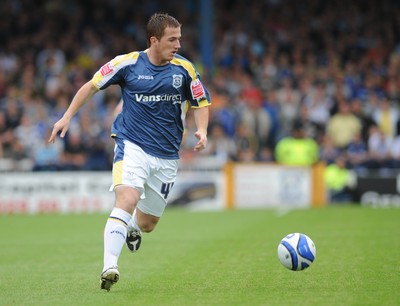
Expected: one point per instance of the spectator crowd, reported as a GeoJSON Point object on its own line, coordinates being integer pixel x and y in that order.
{"type": "Point", "coordinates": [327, 72]}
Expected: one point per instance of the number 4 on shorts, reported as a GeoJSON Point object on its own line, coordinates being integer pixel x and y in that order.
{"type": "Point", "coordinates": [166, 188]}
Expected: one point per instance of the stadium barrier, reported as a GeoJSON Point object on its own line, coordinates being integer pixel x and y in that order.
{"type": "Point", "coordinates": [204, 186]}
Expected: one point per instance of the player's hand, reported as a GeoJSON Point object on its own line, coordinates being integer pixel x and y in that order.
{"type": "Point", "coordinates": [202, 143]}
{"type": "Point", "coordinates": [61, 125]}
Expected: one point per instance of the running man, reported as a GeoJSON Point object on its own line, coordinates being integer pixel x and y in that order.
{"type": "Point", "coordinates": [158, 86]}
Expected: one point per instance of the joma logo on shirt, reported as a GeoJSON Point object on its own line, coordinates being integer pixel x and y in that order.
{"type": "Point", "coordinates": [158, 98]}
{"type": "Point", "coordinates": [145, 77]}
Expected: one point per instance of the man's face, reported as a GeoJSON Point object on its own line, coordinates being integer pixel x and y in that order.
{"type": "Point", "coordinates": [169, 44]}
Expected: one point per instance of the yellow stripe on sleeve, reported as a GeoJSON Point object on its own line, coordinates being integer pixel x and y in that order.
{"type": "Point", "coordinates": [116, 63]}
{"type": "Point", "coordinates": [202, 103]}
{"type": "Point", "coordinates": [185, 64]}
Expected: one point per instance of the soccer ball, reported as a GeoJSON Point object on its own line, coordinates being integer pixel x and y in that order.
{"type": "Point", "coordinates": [296, 251]}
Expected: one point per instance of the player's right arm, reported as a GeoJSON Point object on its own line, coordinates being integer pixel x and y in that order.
{"type": "Point", "coordinates": [107, 75]}
{"type": "Point", "coordinates": [83, 95]}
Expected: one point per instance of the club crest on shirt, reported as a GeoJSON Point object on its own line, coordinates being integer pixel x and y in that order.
{"type": "Point", "coordinates": [177, 80]}
{"type": "Point", "coordinates": [106, 69]}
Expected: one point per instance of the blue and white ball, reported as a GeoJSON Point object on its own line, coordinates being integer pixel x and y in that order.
{"type": "Point", "coordinates": [296, 251]}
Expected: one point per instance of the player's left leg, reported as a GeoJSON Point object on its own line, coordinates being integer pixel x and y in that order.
{"type": "Point", "coordinates": [134, 235]}
{"type": "Point", "coordinates": [144, 219]}
{"type": "Point", "coordinates": [152, 205]}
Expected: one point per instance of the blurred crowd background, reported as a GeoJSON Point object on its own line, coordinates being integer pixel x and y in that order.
{"type": "Point", "coordinates": [294, 82]}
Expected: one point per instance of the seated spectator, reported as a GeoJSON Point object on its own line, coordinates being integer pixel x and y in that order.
{"type": "Point", "coordinates": [246, 144]}
{"type": "Point", "coordinates": [318, 105]}
{"type": "Point", "coordinates": [395, 149]}
{"type": "Point", "coordinates": [379, 148]}
{"type": "Point", "coordinates": [258, 121]}
{"type": "Point", "coordinates": [337, 180]}
{"type": "Point", "coordinates": [357, 108]}
{"type": "Point", "coordinates": [46, 156]}
{"type": "Point", "coordinates": [342, 126]}
{"type": "Point", "coordinates": [311, 129]}
{"type": "Point", "coordinates": [289, 101]}
{"type": "Point", "coordinates": [98, 158]}
{"type": "Point", "coordinates": [386, 117]}
{"type": "Point", "coordinates": [224, 114]}
{"type": "Point", "coordinates": [220, 145]}
{"type": "Point", "coordinates": [297, 149]}
{"type": "Point", "coordinates": [28, 134]}
{"type": "Point", "coordinates": [95, 139]}
{"type": "Point", "coordinates": [357, 154]}
{"type": "Point", "coordinates": [266, 155]}
{"type": "Point", "coordinates": [328, 151]}
{"type": "Point", "coordinates": [6, 136]}
{"type": "Point", "coordinates": [75, 153]}
{"type": "Point", "coordinates": [271, 106]}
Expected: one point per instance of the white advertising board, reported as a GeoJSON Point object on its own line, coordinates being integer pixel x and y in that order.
{"type": "Point", "coordinates": [271, 186]}
{"type": "Point", "coordinates": [58, 192]}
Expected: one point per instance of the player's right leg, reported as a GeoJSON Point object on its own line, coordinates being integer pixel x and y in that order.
{"type": "Point", "coordinates": [128, 179]}
{"type": "Point", "coordinates": [114, 238]}
{"type": "Point", "coordinates": [115, 233]}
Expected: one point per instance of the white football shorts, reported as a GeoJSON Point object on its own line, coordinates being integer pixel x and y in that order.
{"type": "Point", "coordinates": [152, 176]}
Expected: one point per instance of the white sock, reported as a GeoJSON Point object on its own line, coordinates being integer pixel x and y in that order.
{"type": "Point", "coordinates": [114, 236]}
{"type": "Point", "coordinates": [132, 224]}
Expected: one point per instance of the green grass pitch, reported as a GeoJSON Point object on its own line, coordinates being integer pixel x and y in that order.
{"type": "Point", "coordinates": [205, 258]}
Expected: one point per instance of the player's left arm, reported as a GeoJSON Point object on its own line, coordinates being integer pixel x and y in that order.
{"type": "Point", "coordinates": [200, 100]}
{"type": "Point", "coordinates": [201, 119]}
